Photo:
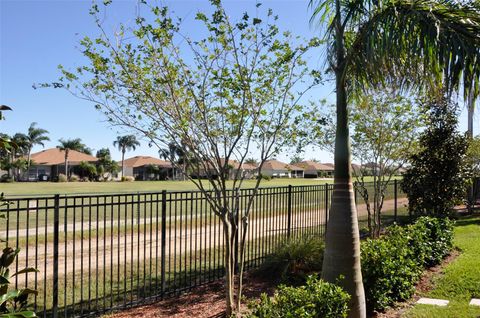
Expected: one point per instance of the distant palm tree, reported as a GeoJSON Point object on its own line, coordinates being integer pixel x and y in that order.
{"type": "Point", "coordinates": [19, 149]}
{"type": "Point", "coordinates": [124, 143]}
{"type": "Point", "coordinates": [70, 144]}
{"type": "Point", "coordinates": [35, 136]}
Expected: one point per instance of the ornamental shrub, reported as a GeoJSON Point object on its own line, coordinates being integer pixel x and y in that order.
{"type": "Point", "coordinates": [295, 259]}
{"type": "Point", "coordinates": [439, 172]}
{"type": "Point", "coordinates": [317, 299]}
{"type": "Point", "coordinates": [62, 178]}
{"type": "Point", "coordinates": [392, 264]}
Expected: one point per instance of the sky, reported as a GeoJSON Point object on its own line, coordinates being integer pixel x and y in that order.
{"type": "Point", "coordinates": [37, 36]}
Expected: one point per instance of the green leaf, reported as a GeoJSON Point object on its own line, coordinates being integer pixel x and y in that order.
{"type": "Point", "coordinates": [26, 270]}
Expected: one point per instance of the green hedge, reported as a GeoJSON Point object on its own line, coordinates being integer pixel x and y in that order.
{"type": "Point", "coordinates": [392, 265]}
{"type": "Point", "coordinates": [316, 299]}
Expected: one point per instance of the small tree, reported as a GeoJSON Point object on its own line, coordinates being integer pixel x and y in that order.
{"type": "Point", "coordinates": [296, 159]}
{"type": "Point", "coordinates": [239, 88]}
{"type": "Point", "coordinates": [86, 170]}
{"type": "Point", "coordinates": [438, 177]}
{"type": "Point", "coordinates": [385, 127]}
{"type": "Point", "coordinates": [106, 167]}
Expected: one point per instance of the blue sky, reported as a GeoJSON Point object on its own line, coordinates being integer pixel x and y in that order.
{"type": "Point", "coordinates": [36, 36]}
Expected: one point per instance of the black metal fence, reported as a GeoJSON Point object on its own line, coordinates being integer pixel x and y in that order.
{"type": "Point", "coordinates": [97, 253]}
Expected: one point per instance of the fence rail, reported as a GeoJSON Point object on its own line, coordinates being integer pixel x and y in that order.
{"type": "Point", "coordinates": [97, 253]}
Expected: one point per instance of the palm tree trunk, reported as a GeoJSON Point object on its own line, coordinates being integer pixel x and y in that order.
{"type": "Point", "coordinates": [342, 252]}
{"type": "Point", "coordinates": [66, 163]}
{"type": "Point", "coordinates": [471, 110]}
{"type": "Point", "coordinates": [28, 163]}
{"type": "Point", "coordinates": [123, 168]}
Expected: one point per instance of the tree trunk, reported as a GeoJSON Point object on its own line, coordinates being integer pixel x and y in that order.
{"type": "Point", "coordinates": [28, 163]}
{"type": "Point", "coordinates": [342, 252]}
{"type": "Point", "coordinates": [229, 271]}
{"type": "Point", "coordinates": [66, 163]}
{"type": "Point", "coordinates": [123, 168]}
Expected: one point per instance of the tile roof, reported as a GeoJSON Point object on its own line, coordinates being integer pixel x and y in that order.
{"type": "Point", "coordinates": [55, 156]}
{"type": "Point", "coordinates": [278, 165]}
{"type": "Point", "coordinates": [139, 161]}
{"type": "Point", "coordinates": [312, 165]}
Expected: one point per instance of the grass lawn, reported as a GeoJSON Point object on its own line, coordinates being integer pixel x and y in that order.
{"type": "Point", "coordinates": [461, 279]}
{"type": "Point", "coordinates": [35, 188]}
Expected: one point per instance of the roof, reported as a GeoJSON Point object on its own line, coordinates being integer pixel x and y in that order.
{"type": "Point", "coordinates": [140, 161]}
{"type": "Point", "coordinates": [236, 165]}
{"type": "Point", "coordinates": [278, 165]}
{"type": "Point", "coordinates": [55, 156]}
{"type": "Point", "coordinates": [312, 165]}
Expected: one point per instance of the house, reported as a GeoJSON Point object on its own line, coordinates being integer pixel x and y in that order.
{"type": "Point", "coordinates": [49, 163]}
{"type": "Point", "coordinates": [314, 169]}
{"type": "Point", "coordinates": [277, 169]}
{"type": "Point", "coordinates": [245, 170]}
{"type": "Point", "coordinates": [148, 168]}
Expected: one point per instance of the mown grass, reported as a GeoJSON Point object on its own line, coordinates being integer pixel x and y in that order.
{"type": "Point", "coordinates": [461, 279]}
{"type": "Point", "coordinates": [39, 188]}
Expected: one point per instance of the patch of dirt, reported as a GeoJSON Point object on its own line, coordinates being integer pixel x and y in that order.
{"type": "Point", "coordinates": [425, 284]}
{"type": "Point", "coordinates": [207, 301]}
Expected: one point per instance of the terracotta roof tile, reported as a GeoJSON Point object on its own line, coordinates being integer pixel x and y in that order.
{"type": "Point", "coordinates": [278, 165]}
{"type": "Point", "coordinates": [55, 156]}
{"type": "Point", "coordinates": [139, 161]}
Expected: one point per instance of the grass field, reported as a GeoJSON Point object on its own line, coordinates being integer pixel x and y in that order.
{"type": "Point", "coordinates": [461, 279]}
{"type": "Point", "coordinates": [39, 188]}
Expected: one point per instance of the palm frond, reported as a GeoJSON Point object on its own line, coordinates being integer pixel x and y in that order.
{"type": "Point", "coordinates": [418, 44]}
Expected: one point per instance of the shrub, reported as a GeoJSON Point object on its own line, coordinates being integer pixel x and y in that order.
{"type": "Point", "coordinates": [392, 265]}
{"type": "Point", "coordinates": [74, 178]}
{"type": "Point", "coordinates": [6, 178]}
{"type": "Point", "coordinates": [389, 271]}
{"type": "Point", "coordinates": [128, 178]}
{"type": "Point", "coordinates": [316, 299]}
{"type": "Point", "coordinates": [295, 258]}
{"type": "Point", "coordinates": [439, 171]}
{"type": "Point", "coordinates": [62, 178]}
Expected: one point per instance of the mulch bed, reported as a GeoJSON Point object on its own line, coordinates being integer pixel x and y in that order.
{"type": "Point", "coordinates": [207, 301]}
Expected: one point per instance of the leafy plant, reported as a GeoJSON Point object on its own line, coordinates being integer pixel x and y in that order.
{"type": "Point", "coordinates": [62, 178]}
{"type": "Point", "coordinates": [392, 264]}
{"type": "Point", "coordinates": [316, 299]}
{"type": "Point", "coordinates": [295, 258]}
{"type": "Point", "coordinates": [436, 180]}
{"type": "Point", "coordinates": [13, 301]}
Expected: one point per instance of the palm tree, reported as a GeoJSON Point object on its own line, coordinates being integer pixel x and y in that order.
{"type": "Point", "coordinates": [35, 136]}
{"type": "Point", "coordinates": [20, 148]}
{"type": "Point", "coordinates": [124, 143]}
{"type": "Point", "coordinates": [70, 144]}
{"type": "Point", "coordinates": [420, 45]}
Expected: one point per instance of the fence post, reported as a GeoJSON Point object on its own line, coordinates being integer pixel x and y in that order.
{"type": "Point", "coordinates": [163, 242]}
{"type": "Point", "coordinates": [395, 200]}
{"type": "Point", "coordinates": [56, 221]}
{"type": "Point", "coordinates": [326, 206]}
{"type": "Point", "coordinates": [289, 211]}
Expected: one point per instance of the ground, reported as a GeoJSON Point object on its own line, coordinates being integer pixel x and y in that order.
{"type": "Point", "coordinates": [38, 188]}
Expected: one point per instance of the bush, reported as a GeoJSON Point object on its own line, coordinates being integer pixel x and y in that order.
{"type": "Point", "coordinates": [392, 265]}
{"type": "Point", "coordinates": [316, 299]}
{"type": "Point", "coordinates": [128, 179]}
{"type": "Point", "coordinates": [295, 258]}
{"type": "Point", "coordinates": [62, 178]}
{"type": "Point", "coordinates": [6, 178]}
{"type": "Point", "coordinates": [74, 178]}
